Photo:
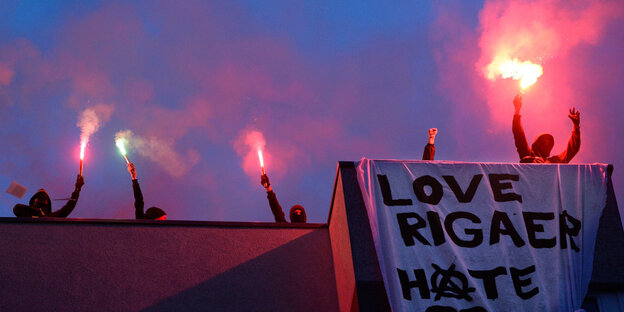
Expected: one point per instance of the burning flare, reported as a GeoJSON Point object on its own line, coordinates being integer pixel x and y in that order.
{"type": "Point", "coordinates": [261, 159]}
{"type": "Point", "coordinates": [121, 142]}
{"type": "Point", "coordinates": [161, 151]}
{"type": "Point", "coordinates": [89, 122]}
{"type": "Point", "coordinates": [503, 66]}
{"type": "Point", "coordinates": [83, 145]}
{"type": "Point", "coordinates": [250, 145]}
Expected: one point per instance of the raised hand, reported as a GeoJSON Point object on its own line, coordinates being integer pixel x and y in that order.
{"type": "Point", "coordinates": [264, 180]}
{"type": "Point", "coordinates": [132, 171]}
{"type": "Point", "coordinates": [575, 116]}
{"type": "Point", "coordinates": [432, 134]}
{"type": "Point", "coordinates": [79, 182]}
{"type": "Point", "coordinates": [518, 103]}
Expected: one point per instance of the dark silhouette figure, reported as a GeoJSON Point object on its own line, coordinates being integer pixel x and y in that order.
{"type": "Point", "coordinates": [429, 152]}
{"type": "Point", "coordinates": [539, 151]}
{"type": "Point", "coordinates": [41, 206]}
{"type": "Point", "coordinates": [153, 213]}
{"type": "Point", "coordinates": [297, 213]}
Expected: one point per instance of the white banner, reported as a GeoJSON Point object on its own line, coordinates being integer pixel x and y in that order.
{"type": "Point", "coordinates": [454, 236]}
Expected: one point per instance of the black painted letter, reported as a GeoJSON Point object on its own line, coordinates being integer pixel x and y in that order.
{"type": "Point", "coordinates": [386, 193]}
{"type": "Point", "coordinates": [489, 280]}
{"type": "Point", "coordinates": [420, 282]}
{"type": "Point", "coordinates": [499, 218]}
{"type": "Point", "coordinates": [436, 190]}
{"type": "Point", "coordinates": [409, 231]}
{"type": "Point", "coordinates": [470, 192]}
{"type": "Point", "coordinates": [518, 283]}
{"type": "Point", "coordinates": [498, 187]}
{"type": "Point", "coordinates": [477, 234]}
{"type": "Point", "coordinates": [532, 228]}
{"type": "Point", "coordinates": [565, 231]}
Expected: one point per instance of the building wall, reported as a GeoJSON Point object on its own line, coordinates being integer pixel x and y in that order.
{"type": "Point", "coordinates": [130, 265]}
{"type": "Point", "coordinates": [79, 265]}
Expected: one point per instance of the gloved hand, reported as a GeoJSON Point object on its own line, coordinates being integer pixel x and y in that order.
{"type": "Point", "coordinates": [79, 182]}
{"type": "Point", "coordinates": [264, 180]}
{"type": "Point", "coordinates": [132, 171]}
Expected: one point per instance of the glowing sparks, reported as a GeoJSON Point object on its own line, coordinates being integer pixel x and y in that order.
{"type": "Point", "coordinates": [503, 66]}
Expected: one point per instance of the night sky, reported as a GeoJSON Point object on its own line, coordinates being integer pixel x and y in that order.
{"type": "Point", "coordinates": [321, 81]}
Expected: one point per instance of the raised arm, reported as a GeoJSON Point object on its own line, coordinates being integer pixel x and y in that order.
{"type": "Point", "coordinates": [71, 204]}
{"type": "Point", "coordinates": [429, 152]}
{"type": "Point", "coordinates": [574, 143]}
{"type": "Point", "coordinates": [278, 213]}
{"type": "Point", "coordinates": [522, 146]}
{"type": "Point", "coordinates": [139, 205]}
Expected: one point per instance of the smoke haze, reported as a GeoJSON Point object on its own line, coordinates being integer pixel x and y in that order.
{"type": "Point", "coordinates": [321, 83]}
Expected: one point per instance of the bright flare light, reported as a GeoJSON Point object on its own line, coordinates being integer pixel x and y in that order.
{"type": "Point", "coordinates": [121, 146]}
{"type": "Point", "coordinates": [83, 145]}
{"type": "Point", "coordinates": [527, 72]}
{"type": "Point", "coordinates": [261, 160]}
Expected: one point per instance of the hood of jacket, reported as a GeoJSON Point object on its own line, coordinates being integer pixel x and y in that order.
{"type": "Point", "coordinates": [543, 144]}
{"type": "Point", "coordinates": [43, 201]}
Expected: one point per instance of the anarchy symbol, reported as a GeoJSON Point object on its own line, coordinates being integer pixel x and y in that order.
{"type": "Point", "coordinates": [444, 283]}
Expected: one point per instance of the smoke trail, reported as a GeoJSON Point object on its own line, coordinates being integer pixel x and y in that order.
{"type": "Point", "coordinates": [247, 145]}
{"type": "Point", "coordinates": [160, 151]}
{"type": "Point", "coordinates": [91, 119]}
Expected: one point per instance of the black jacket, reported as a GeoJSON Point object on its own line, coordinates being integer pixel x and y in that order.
{"type": "Point", "coordinates": [278, 213]}
{"type": "Point", "coordinates": [27, 211]}
{"type": "Point", "coordinates": [138, 200]}
{"type": "Point", "coordinates": [429, 152]}
{"type": "Point", "coordinates": [527, 155]}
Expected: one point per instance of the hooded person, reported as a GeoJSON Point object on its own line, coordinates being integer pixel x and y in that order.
{"type": "Point", "coordinates": [40, 204]}
{"type": "Point", "coordinates": [539, 152]}
{"type": "Point", "coordinates": [153, 213]}
{"type": "Point", "coordinates": [297, 213]}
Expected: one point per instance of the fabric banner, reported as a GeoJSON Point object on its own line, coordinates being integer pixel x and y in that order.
{"type": "Point", "coordinates": [453, 236]}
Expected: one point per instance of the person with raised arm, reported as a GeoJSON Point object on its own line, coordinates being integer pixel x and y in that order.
{"type": "Point", "coordinates": [429, 152]}
{"type": "Point", "coordinates": [539, 152]}
{"type": "Point", "coordinates": [153, 213]}
{"type": "Point", "coordinates": [297, 213]}
{"type": "Point", "coordinates": [41, 206]}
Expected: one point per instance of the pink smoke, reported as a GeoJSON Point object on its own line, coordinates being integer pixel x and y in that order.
{"type": "Point", "coordinates": [247, 145]}
{"type": "Point", "coordinates": [6, 74]}
{"type": "Point", "coordinates": [543, 32]}
{"type": "Point", "coordinates": [91, 119]}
